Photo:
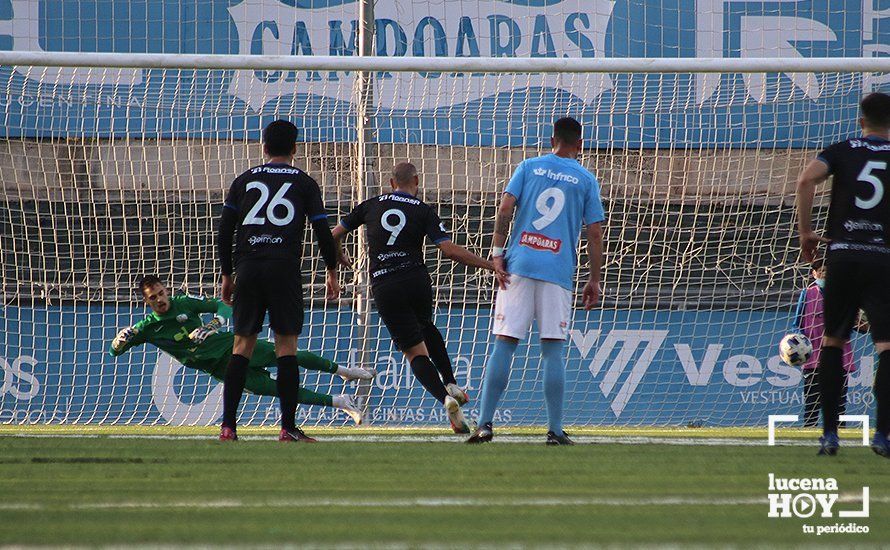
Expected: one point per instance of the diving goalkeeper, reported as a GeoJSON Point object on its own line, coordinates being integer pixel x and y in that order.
{"type": "Point", "coordinates": [175, 326]}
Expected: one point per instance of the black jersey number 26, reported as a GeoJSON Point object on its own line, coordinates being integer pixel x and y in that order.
{"type": "Point", "coordinates": [866, 176]}
{"type": "Point", "coordinates": [252, 217]}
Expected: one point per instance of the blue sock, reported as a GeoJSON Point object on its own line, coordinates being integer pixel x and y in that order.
{"type": "Point", "coordinates": [497, 374]}
{"type": "Point", "coordinates": [554, 363]}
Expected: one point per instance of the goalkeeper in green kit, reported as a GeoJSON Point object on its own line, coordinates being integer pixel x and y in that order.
{"type": "Point", "coordinates": [175, 326]}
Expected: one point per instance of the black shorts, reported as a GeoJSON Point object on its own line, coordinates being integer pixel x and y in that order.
{"type": "Point", "coordinates": [273, 286]}
{"type": "Point", "coordinates": [851, 286]}
{"type": "Point", "coordinates": [406, 307]}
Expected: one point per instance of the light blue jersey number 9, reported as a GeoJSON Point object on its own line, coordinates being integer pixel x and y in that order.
{"type": "Point", "coordinates": [549, 210]}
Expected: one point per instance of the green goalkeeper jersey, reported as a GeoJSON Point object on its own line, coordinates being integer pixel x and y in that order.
{"type": "Point", "coordinates": [170, 332]}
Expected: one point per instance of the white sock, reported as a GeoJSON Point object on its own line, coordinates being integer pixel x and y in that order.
{"type": "Point", "coordinates": [339, 401]}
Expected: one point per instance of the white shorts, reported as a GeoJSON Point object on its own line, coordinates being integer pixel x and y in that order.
{"type": "Point", "coordinates": [526, 300]}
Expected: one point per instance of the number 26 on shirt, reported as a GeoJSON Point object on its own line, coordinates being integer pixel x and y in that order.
{"type": "Point", "coordinates": [278, 200]}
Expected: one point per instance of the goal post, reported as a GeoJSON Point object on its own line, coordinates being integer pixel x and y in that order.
{"type": "Point", "coordinates": [116, 167]}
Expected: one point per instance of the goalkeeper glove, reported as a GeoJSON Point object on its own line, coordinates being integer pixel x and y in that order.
{"type": "Point", "coordinates": [201, 333]}
{"type": "Point", "coordinates": [123, 338]}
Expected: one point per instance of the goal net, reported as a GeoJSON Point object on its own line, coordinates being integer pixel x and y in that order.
{"type": "Point", "coordinates": [109, 173]}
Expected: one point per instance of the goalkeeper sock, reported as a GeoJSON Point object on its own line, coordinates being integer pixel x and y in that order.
{"type": "Point", "coordinates": [426, 373]}
{"type": "Point", "coordinates": [497, 374]}
{"type": "Point", "coordinates": [309, 397]}
{"type": "Point", "coordinates": [310, 361]}
{"type": "Point", "coordinates": [260, 383]}
{"type": "Point", "coordinates": [553, 361]}
{"type": "Point", "coordinates": [439, 353]}
{"type": "Point", "coordinates": [233, 387]}
{"type": "Point", "coordinates": [288, 389]}
{"type": "Point", "coordinates": [882, 393]}
{"type": "Point", "coordinates": [831, 383]}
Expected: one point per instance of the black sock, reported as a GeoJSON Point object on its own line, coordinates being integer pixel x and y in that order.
{"type": "Point", "coordinates": [288, 383]}
{"type": "Point", "coordinates": [233, 387]}
{"type": "Point", "coordinates": [882, 392]}
{"type": "Point", "coordinates": [831, 383]}
{"type": "Point", "coordinates": [425, 371]}
{"type": "Point", "coordinates": [439, 353]}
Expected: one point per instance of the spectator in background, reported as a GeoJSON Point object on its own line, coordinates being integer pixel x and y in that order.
{"type": "Point", "coordinates": [809, 321]}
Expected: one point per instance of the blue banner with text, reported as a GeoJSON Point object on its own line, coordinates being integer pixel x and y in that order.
{"type": "Point", "coordinates": [470, 109]}
{"type": "Point", "coordinates": [676, 368]}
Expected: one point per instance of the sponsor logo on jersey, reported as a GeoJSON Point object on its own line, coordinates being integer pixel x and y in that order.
{"type": "Point", "coordinates": [859, 247]}
{"type": "Point", "coordinates": [862, 225]}
{"type": "Point", "coordinates": [398, 198]}
{"type": "Point", "coordinates": [856, 143]}
{"type": "Point", "coordinates": [264, 239]}
{"type": "Point", "coordinates": [390, 255]}
{"type": "Point", "coordinates": [557, 176]}
{"type": "Point", "coordinates": [540, 242]}
{"type": "Point", "coordinates": [275, 170]}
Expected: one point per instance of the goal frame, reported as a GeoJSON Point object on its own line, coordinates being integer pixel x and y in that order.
{"type": "Point", "coordinates": [366, 64]}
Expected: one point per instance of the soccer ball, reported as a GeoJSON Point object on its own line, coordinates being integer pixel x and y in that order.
{"type": "Point", "coordinates": [795, 349]}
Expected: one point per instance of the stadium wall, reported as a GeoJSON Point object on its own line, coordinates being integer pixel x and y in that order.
{"type": "Point", "coordinates": [68, 169]}
{"type": "Point", "coordinates": [624, 368]}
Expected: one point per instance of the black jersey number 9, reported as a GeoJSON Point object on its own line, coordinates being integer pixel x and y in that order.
{"type": "Point", "coordinates": [277, 200]}
{"type": "Point", "coordinates": [394, 230]}
{"type": "Point", "coordinates": [867, 177]}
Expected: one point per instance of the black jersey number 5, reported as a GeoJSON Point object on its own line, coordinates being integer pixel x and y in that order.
{"type": "Point", "coordinates": [277, 200]}
{"type": "Point", "coordinates": [394, 230]}
{"type": "Point", "coordinates": [867, 177]}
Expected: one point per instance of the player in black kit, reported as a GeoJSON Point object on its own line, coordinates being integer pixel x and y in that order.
{"type": "Point", "coordinates": [397, 223]}
{"type": "Point", "coordinates": [265, 211]}
{"type": "Point", "coordinates": [857, 259]}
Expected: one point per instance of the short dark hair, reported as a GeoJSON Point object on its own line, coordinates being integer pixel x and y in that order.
{"type": "Point", "coordinates": [567, 130]}
{"type": "Point", "coordinates": [403, 172]}
{"type": "Point", "coordinates": [875, 109]}
{"type": "Point", "coordinates": [817, 264]}
{"type": "Point", "coordinates": [147, 282]}
{"type": "Point", "coordinates": [279, 138]}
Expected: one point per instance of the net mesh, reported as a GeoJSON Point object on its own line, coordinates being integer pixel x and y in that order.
{"type": "Point", "coordinates": [109, 174]}
{"type": "Point", "coordinates": [700, 278]}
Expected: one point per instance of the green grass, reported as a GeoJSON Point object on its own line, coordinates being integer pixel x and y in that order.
{"type": "Point", "coordinates": [607, 431]}
{"type": "Point", "coordinates": [104, 490]}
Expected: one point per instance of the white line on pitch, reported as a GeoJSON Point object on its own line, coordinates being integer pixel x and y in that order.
{"type": "Point", "coordinates": [422, 503]}
{"type": "Point", "coordinates": [374, 438]}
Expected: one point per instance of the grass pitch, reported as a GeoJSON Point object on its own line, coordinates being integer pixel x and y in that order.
{"type": "Point", "coordinates": [113, 487]}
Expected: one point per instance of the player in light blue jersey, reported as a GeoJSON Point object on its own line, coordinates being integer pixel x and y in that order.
{"type": "Point", "coordinates": [554, 197]}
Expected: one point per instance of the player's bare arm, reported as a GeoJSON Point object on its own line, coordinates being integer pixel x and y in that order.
{"type": "Point", "coordinates": [502, 223]}
{"type": "Point", "coordinates": [815, 173]}
{"type": "Point", "coordinates": [461, 255]}
{"type": "Point", "coordinates": [331, 253]}
{"type": "Point", "coordinates": [339, 233]}
{"type": "Point", "coordinates": [591, 292]}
